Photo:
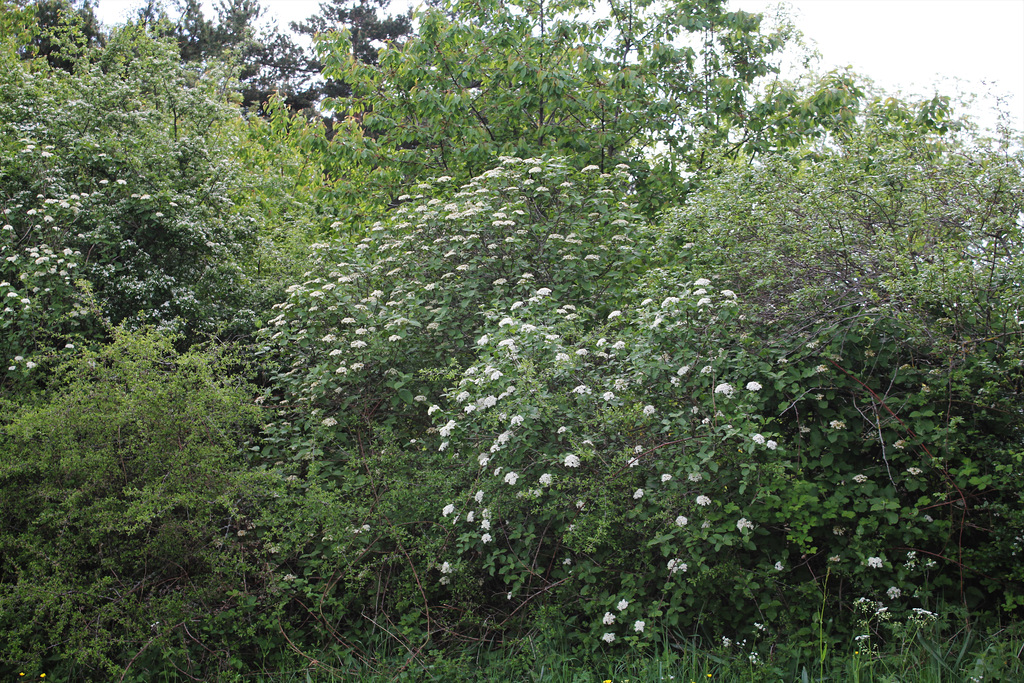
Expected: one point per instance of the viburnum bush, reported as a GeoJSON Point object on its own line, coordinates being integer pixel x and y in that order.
{"type": "Point", "coordinates": [507, 399]}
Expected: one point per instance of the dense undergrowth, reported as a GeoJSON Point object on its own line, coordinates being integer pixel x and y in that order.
{"type": "Point", "coordinates": [510, 423]}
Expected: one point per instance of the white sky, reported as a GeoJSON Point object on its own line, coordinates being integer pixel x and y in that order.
{"type": "Point", "coordinates": [913, 46]}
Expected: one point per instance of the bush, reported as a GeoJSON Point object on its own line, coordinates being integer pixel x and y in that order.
{"type": "Point", "coordinates": [126, 500]}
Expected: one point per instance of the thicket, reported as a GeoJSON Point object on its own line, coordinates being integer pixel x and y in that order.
{"type": "Point", "coordinates": [274, 394]}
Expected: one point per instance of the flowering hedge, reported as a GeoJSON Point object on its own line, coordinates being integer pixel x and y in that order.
{"type": "Point", "coordinates": [498, 405]}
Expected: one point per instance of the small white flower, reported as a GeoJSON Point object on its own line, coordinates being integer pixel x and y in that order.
{"type": "Point", "coordinates": [511, 478]}
{"type": "Point", "coordinates": [614, 314]}
{"type": "Point", "coordinates": [486, 538]}
{"type": "Point", "coordinates": [860, 478]}
{"type": "Point", "coordinates": [608, 638]}
{"type": "Point", "coordinates": [608, 619]}
{"type": "Point", "coordinates": [358, 344]}
{"type": "Point", "coordinates": [677, 565]}
{"type": "Point", "coordinates": [703, 501]}
{"type": "Point", "coordinates": [666, 478]}
{"type": "Point", "coordinates": [448, 509]}
{"type": "Point", "coordinates": [543, 291]}
{"type": "Point", "coordinates": [648, 410]}
{"type": "Point", "coordinates": [702, 282]}
{"type": "Point", "coordinates": [725, 389]}
{"type": "Point", "coordinates": [581, 352]}
{"type": "Point", "coordinates": [837, 424]}
{"type": "Point", "coordinates": [683, 370]}
{"type": "Point", "coordinates": [446, 568]}
{"type": "Point", "coordinates": [771, 445]}
{"type": "Point", "coordinates": [623, 604]}
{"type": "Point", "coordinates": [572, 460]}
{"type": "Point", "coordinates": [681, 521]}
{"type": "Point", "coordinates": [638, 494]}
{"type": "Point", "coordinates": [485, 524]}
{"type": "Point", "coordinates": [893, 592]}
{"type": "Point", "coordinates": [757, 438]}
{"type": "Point", "coordinates": [694, 477]}
{"type": "Point", "coordinates": [779, 566]}
{"type": "Point", "coordinates": [329, 422]}
{"type": "Point", "coordinates": [914, 471]}
{"type": "Point", "coordinates": [607, 395]}
{"type": "Point", "coordinates": [753, 386]}
{"type": "Point", "coordinates": [875, 562]}
{"type": "Point", "coordinates": [638, 626]}
{"type": "Point", "coordinates": [479, 497]}
{"type": "Point", "coordinates": [433, 409]}
{"type": "Point", "coordinates": [744, 524]}
{"type": "Point", "coordinates": [581, 390]}
{"type": "Point", "coordinates": [545, 479]}
{"type": "Point", "coordinates": [483, 340]}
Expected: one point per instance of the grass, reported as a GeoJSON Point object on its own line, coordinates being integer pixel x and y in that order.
{"type": "Point", "coordinates": [965, 660]}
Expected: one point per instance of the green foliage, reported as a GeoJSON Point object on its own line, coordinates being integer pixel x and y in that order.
{"type": "Point", "coordinates": [139, 178]}
{"type": "Point", "coordinates": [481, 80]}
{"type": "Point", "coordinates": [769, 424]}
{"type": "Point", "coordinates": [126, 499]}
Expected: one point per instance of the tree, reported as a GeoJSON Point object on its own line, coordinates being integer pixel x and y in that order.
{"type": "Point", "coordinates": [124, 199]}
{"type": "Point", "coordinates": [65, 28]}
{"type": "Point", "coordinates": [368, 32]}
{"type": "Point", "coordinates": [650, 85]}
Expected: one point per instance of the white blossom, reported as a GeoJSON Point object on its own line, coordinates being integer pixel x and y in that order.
{"type": "Point", "coordinates": [744, 524]}
{"type": "Point", "coordinates": [666, 478]}
{"type": "Point", "coordinates": [757, 438]}
{"type": "Point", "coordinates": [572, 460]}
{"type": "Point", "coordinates": [725, 389]}
{"type": "Point", "coordinates": [638, 626]}
{"type": "Point", "coordinates": [608, 619]}
{"type": "Point", "coordinates": [448, 509]}
{"type": "Point", "coordinates": [608, 638]}
{"type": "Point", "coordinates": [638, 494]}
{"type": "Point", "coordinates": [677, 565]}
{"type": "Point", "coordinates": [545, 479]}
{"type": "Point", "coordinates": [511, 478]}
{"type": "Point", "coordinates": [623, 604]}
{"type": "Point", "coordinates": [753, 386]}
{"type": "Point", "coordinates": [648, 410]}
{"type": "Point", "coordinates": [681, 521]}
{"type": "Point", "coordinates": [703, 501]}
{"type": "Point", "coordinates": [875, 562]}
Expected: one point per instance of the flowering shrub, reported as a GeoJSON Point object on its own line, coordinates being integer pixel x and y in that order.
{"type": "Point", "coordinates": [490, 430]}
